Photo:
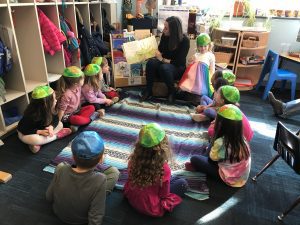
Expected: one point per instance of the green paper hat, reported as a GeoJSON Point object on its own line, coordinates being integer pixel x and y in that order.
{"type": "Point", "coordinates": [151, 134]}
{"type": "Point", "coordinates": [229, 76]}
{"type": "Point", "coordinates": [72, 71]}
{"type": "Point", "coordinates": [230, 93]}
{"type": "Point", "coordinates": [97, 60]}
{"type": "Point", "coordinates": [230, 112]}
{"type": "Point", "coordinates": [92, 70]}
{"type": "Point", "coordinates": [203, 39]}
{"type": "Point", "coordinates": [41, 92]}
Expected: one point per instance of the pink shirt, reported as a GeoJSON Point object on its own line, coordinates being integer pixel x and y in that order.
{"type": "Point", "coordinates": [247, 130]}
{"type": "Point", "coordinates": [70, 100]}
{"type": "Point", "coordinates": [153, 200]}
{"type": "Point", "coordinates": [92, 96]}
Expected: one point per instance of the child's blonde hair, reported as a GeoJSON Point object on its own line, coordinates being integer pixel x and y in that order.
{"type": "Point", "coordinates": [71, 76]}
{"type": "Point", "coordinates": [93, 81]}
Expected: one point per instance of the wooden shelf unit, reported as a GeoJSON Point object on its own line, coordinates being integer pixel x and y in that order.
{"type": "Point", "coordinates": [217, 35]}
{"type": "Point", "coordinates": [31, 65]}
{"type": "Point", "coordinates": [249, 72]}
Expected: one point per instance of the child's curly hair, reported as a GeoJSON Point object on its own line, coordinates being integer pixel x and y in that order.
{"type": "Point", "coordinates": [146, 164]}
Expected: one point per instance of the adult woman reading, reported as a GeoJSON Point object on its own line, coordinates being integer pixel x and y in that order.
{"type": "Point", "coordinates": [169, 63]}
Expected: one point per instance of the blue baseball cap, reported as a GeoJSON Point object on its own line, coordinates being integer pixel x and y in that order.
{"type": "Point", "coordinates": [87, 145]}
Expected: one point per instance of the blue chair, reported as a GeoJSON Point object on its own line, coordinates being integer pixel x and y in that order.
{"type": "Point", "coordinates": [271, 67]}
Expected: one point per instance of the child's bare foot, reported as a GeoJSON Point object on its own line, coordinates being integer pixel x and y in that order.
{"type": "Point", "coordinates": [101, 112]}
{"type": "Point", "coordinates": [34, 148]}
{"type": "Point", "coordinates": [199, 117]}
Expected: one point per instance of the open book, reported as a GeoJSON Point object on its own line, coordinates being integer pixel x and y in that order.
{"type": "Point", "coordinates": [139, 51]}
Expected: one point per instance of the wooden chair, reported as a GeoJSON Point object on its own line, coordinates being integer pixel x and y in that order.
{"type": "Point", "coordinates": [287, 145]}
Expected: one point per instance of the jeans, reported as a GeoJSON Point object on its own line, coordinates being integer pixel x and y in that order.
{"type": "Point", "coordinates": [291, 108]}
{"type": "Point", "coordinates": [164, 71]}
{"type": "Point", "coordinates": [209, 112]}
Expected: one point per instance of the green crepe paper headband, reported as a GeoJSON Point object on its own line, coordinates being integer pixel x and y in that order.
{"type": "Point", "coordinates": [230, 93]}
{"type": "Point", "coordinates": [230, 112]}
{"type": "Point", "coordinates": [72, 71]}
{"type": "Point", "coordinates": [97, 60]}
{"type": "Point", "coordinates": [41, 92]}
{"type": "Point", "coordinates": [151, 135]}
{"type": "Point", "coordinates": [229, 76]}
{"type": "Point", "coordinates": [203, 39]}
{"type": "Point", "coordinates": [92, 70]}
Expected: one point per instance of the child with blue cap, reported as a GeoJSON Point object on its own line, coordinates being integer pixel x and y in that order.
{"type": "Point", "coordinates": [78, 193]}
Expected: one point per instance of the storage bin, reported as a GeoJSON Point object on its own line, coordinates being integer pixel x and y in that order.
{"type": "Point", "coordinates": [223, 57]}
{"type": "Point", "coordinates": [228, 41]}
{"type": "Point", "coordinates": [250, 42]}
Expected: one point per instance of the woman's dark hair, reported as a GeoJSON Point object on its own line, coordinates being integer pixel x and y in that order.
{"type": "Point", "coordinates": [175, 29]}
{"type": "Point", "coordinates": [41, 110]}
{"type": "Point", "coordinates": [232, 132]}
{"type": "Point", "coordinates": [219, 82]}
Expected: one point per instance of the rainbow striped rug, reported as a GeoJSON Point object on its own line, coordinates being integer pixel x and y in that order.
{"type": "Point", "coordinates": [120, 127]}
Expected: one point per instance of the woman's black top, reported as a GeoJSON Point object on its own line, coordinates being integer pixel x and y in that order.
{"type": "Point", "coordinates": [28, 126]}
{"type": "Point", "coordinates": [177, 56]}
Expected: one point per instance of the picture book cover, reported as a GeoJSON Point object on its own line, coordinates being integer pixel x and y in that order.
{"type": "Point", "coordinates": [118, 42]}
{"type": "Point", "coordinates": [122, 69]}
{"type": "Point", "coordinates": [141, 50]}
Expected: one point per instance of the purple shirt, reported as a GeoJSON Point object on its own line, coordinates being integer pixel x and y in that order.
{"type": "Point", "coordinates": [92, 96]}
{"type": "Point", "coordinates": [70, 100]}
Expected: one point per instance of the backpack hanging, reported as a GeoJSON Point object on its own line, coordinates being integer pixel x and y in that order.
{"type": "Point", "coordinates": [5, 59]}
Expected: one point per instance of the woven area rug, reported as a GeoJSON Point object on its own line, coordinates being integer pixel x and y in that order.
{"type": "Point", "coordinates": [120, 127]}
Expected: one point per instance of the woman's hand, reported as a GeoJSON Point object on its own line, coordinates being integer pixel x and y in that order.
{"type": "Point", "coordinates": [158, 55]}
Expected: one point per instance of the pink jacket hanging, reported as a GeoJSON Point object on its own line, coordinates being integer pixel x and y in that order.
{"type": "Point", "coordinates": [51, 36]}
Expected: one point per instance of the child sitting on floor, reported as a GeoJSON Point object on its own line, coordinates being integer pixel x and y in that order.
{"type": "Point", "coordinates": [69, 99]}
{"type": "Point", "coordinates": [91, 90]}
{"type": "Point", "coordinates": [150, 188]}
{"type": "Point", "coordinates": [231, 95]}
{"type": "Point", "coordinates": [78, 193]}
{"type": "Point", "coordinates": [40, 124]}
{"type": "Point", "coordinates": [109, 92]}
{"type": "Point", "coordinates": [206, 109]}
{"type": "Point", "coordinates": [229, 157]}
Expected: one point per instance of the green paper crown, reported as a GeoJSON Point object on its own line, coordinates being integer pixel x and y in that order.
{"type": "Point", "coordinates": [203, 39]}
{"type": "Point", "coordinates": [92, 70]}
{"type": "Point", "coordinates": [72, 71]}
{"type": "Point", "coordinates": [229, 76]}
{"type": "Point", "coordinates": [230, 93]}
{"type": "Point", "coordinates": [151, 134]}
{"type": "Point", "coordinates": [230, 112]}
{"type": "Point", "coordinates": [41, 92]}
{"type": "Point", "coordinates": [97, 60]}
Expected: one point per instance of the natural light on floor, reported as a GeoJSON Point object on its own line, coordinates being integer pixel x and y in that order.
{"type": "Point", "coordinates": [263, 128]}
{"type": "Point", "coordinates": [218, 211]}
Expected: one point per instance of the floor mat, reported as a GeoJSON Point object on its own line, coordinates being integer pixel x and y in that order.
{"type": "Point", "coordinates": [120, 127]}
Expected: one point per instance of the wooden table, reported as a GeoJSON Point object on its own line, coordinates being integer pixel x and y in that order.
{"type": "Point", "coordinates": [295, 59]}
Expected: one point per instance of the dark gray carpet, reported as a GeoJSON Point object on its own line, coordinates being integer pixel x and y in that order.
{"type": "Point", "coordinates": [22, 200]}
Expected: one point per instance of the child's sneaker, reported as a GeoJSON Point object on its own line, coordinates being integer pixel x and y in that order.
{"type": "Point", "coordinates": [95, 116]}
{"type": "Point", "coordinates": [63, 133]}
{"type": "Point", "coordinates": [189, 167]}
{"type": "Point", "coordinates": [115, 99]}
{"type": "Point", "coordinates": [34, 148]}
{"type": "Point", "coordinates": [101, 112]}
